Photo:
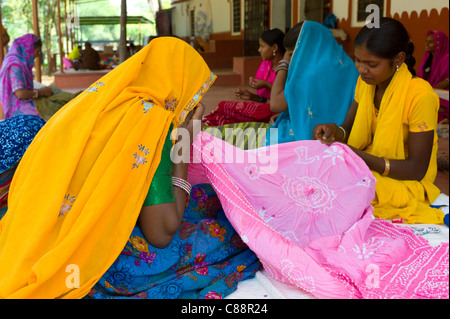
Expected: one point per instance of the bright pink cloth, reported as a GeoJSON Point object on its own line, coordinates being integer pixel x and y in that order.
{"type": "Point", "coordinates": [265, 73]}
{"type": "Point", "coordinates": [304, 209]}
{"type": "Point", "coordinates": [439, 67]}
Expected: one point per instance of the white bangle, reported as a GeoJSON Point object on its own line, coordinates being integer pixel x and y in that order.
{"type": "Point", "coordinates": [181, 183]}
{"type": "Point", "coordinates": [343, 130]}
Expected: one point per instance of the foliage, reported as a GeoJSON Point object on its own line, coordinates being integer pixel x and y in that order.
{"type": "Point", "coordinates": [17, 17]}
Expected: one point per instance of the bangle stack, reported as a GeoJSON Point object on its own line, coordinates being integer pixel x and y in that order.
{"type": "Point", "coordinates": [282, 65]}
{"type": "Point", "coordinates": [181, 183]}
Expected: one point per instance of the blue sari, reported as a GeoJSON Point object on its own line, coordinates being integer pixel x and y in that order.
{"type": "Point", "coordinates": [205, 260]}
{"type": "Point", "coordinates": [320, 85]}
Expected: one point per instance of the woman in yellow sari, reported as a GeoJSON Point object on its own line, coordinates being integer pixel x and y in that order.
{"type": "Point", "coordinates": [84, 181]}
{"type": "Point", "coordinates": [391, 125]}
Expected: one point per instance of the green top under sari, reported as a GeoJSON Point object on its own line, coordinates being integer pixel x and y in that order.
{"type": "Point", "coordinates": [161, 189]}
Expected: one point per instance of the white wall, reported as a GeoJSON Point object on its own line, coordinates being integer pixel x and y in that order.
{"type": "Point", "coordinates": [278, 14]}
{"type": "Point", "coordinates": [340, 7]}
{"type": "Point", "coordinates": [220, 11]}
{"type": "Point", "coordinates": [221, 15]}
{"type": "Point", "coordinates": [400, 6]}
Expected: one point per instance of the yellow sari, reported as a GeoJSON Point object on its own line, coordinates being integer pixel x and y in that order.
{"type": "Point", "coordinates": [408, 200]}
{"type": "Point", "coordinates": [79, 188]}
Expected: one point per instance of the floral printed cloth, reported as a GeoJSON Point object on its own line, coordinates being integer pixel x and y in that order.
{"type": "Point", "coordinates": [206, 258]}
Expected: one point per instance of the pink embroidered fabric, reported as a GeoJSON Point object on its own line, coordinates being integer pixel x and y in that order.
{"type": "Point", "coordinates": [304, 209]}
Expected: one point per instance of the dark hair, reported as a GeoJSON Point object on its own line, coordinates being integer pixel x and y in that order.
{"type": "Point", "coordinates": [291, 38]}
{"type": "Point", "coordinates": [387, 41]}
{"type": "Point", "coordinates": [37, 43]}
{"type": "Point", "coordinates": [274, 36]}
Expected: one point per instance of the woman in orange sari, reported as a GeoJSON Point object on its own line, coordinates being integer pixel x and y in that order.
{"type": "Point", "coordinates": [86, 183]}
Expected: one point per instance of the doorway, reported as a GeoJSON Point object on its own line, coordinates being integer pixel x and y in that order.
{"type": "Point", "coordinates": [256, 20]}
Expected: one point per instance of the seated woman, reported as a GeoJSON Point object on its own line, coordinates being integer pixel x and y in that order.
{"type": "Point", "coordinates": [73, 59]}
{"type": "Point", "coordinates": [391, 125]}
{"type": "Point", "coordinates": [271, 49]}
{"type": "Point", "coordinates": [317, 85]}
{"type": "Point", "coordinates": [109, 205]}
{"type": "Point", "coordinates": [435, 66]}
{"type": "Point", "coordinates": [18, 96]}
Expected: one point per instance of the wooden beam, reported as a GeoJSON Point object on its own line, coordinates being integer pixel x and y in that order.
{"type": "Point", "coordinates": [60, 43]}
{"type": "Point", "coordinates": [66, 27]}
{"type": "Point", "coordinates": [123, 32]}
{"type": "Point", "coordinates": [38, 63]}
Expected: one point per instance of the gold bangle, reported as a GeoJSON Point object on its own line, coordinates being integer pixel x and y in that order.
{"type": "Point", "coordinates": [387, 167]}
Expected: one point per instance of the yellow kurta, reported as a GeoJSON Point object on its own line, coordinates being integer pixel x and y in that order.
{"type": "Point", "coordinates": [79, 188]}
{"type": "Point", "coordinates": [408, 105]}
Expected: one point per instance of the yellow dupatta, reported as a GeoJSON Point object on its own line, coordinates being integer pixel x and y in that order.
{"type": "Point", "coordinates": [77, 193]}
{"type": "Point", "coordinates": [408, 200]}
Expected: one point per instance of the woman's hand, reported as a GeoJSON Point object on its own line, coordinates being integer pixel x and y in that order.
{"type": "Point", "coordinates": [325, 133]}
{"type": "Point", "coordinates": [274, 118]}
{"type": "Point", "coordinates": [45, 91]}
{"type": "Point", "coordinates": [259, 84]}
{"type": "Point", "coordinates": [195, 115]}
{"type": "Point", "coordinates": [244, 94]}
{"type": "Point", "coordinates": [443, 85]}
{"type": "Point", "coordinates": [288, 55]}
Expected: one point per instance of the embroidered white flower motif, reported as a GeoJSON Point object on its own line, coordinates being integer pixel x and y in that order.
{"type": "Point", "coordinates": [309, 193]}
{"type": "Point", "coordinates": [368, 249]}
{"type": "Point", "coordinates": [171, 105]}
{"type": "Point", "coordinates": [262, 212]}
{"type": "Point", "coordinates": [302, 156]}
{"type": "Point", "coordinates": [252, 172]}
{"type": "Point", "coordinates": [147, 105]}
{"type": "Point", "coordinates": [66, 206]}
{"type": "Point", "coordinates": [334, 152]}
{"type": "Point", "coordinates": [139, 158]}
{"type": "Point", "coordinates": [365, 182]}
{"type": "Point", "coordinates": [94, 88]}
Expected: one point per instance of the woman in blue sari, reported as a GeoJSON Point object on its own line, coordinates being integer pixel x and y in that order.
{"type": "Point", "coordinates": [316, 84]}
{"type": "Point", "coordinates": [315, 81]}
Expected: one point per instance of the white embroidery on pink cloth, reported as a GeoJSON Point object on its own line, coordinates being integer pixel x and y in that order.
{"type": "Point", "coordinates": [309, 193]}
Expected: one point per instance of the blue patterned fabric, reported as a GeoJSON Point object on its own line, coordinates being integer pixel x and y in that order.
{"type": "Point", "coordinates": [205, 260]}
{"type": "Point", "coordinates": [16, 134]}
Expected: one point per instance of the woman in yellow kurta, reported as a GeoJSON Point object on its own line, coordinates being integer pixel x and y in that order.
{"type": "Point", "coordinates": [391, 125]}
{"type": "Point", "coordinates": [80, 187]}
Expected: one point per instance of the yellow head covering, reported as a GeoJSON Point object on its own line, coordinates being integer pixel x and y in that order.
{"type": "Point", "coordinates": [79, 188]}
{"type": "Point", "coordinates": [75, 54]}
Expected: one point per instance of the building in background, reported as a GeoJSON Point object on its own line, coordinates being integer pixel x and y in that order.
{"type": "Point", "coordinates": [223, 29]}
